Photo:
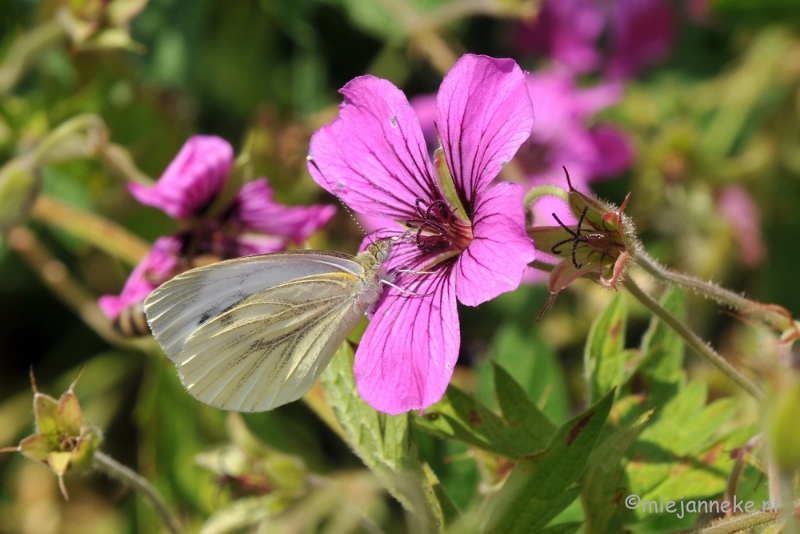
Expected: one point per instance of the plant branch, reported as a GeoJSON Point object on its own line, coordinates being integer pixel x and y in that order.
{"type": "Point", "coordinates": [693, 340]}
{"type": "Point", "coordinates": [116, 470]}
{"type": "Point", "coordinates": [772, 315]}
{"type": "Point", "coordinates": [73, 294]}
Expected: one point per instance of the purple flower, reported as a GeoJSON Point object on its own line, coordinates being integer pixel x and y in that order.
{"type": "Point", "coordinates": [251, 223]}
{"type": "Point", "coordinates": [456, 237]}
{"type": "Point", "coordinates": [640, 33]}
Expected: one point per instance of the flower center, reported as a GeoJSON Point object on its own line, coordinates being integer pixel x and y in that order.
{"type": "Point", "coordinates": [535, 157]}
{"type": "Point", "coordinates": [438, 229]}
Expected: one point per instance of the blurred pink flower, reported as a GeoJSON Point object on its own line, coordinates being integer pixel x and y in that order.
{"type": "Point", "coordinates": [561, 138]}
{"type": "Point", "coordinates": [251, 223]}
{"type": "Point", "coordinates": [457, 238]}
{"type": "Point", "coordinates": [737, 207]}
{"type": "Point", "coordinates": [565, 30]}
{"type": "Point", "coordinates": [569, 31]}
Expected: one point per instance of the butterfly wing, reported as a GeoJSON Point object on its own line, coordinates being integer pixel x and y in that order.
{"type": "Point", "coordinates": [180, 306]}
{"type": "Point", "coordinates": [268, 349]}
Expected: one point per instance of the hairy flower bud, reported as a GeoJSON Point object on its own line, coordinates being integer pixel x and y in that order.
{"type": "Point", "coordinates": [61, 440]}
{"type": "Point", "coordinates": [601, 242]}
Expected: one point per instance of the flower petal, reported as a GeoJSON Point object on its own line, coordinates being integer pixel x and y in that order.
{"type": "Point", "coordinates": [151, 272]}
{"type": "Point", "coordinates": [192, 180]}
{"type": "Point", "coordinates": [642, 31]}
{"type": "Point", "coordinates": [614, 151]}
{"type": "Point", "coordinates": [373, 157]}
{"type": "Point", "coordinates": [409, 350]}
{"type": "Point", "coordinates": [500, 251]}
{"type": "Point", "coordinates": [257, 210]}
{"type": "Point", "coordinates": [484, 114]}
{"type": "Point", "coordinates": [566, 30]}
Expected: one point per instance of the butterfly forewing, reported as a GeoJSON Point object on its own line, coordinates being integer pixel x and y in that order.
{"type": "Point", "coordinates": [253, 333]}
{"type": "Point", "coordinates": [268, 349]}
{"type": "Point", "coordinates": [177, 308]}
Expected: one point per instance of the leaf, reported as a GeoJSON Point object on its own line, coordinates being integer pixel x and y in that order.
{"type": "Point", "coordinates": [521, 351]}
{"type": "Point", "coordinates": [540, 487]}
{"type": "Point", "coordinates": [459, 416]}
{"type": "Point", "coordinates": [384, 442]}
{"type": "Point", "coordinates": [605, 357]}
{"type": "Point", "coordinates": [562, 528]}
{"type": "Point", "coordinates": [603, 493]}
{"type": "Point", "coordinates": [520, 412]}
{"type": "Point", "coordinates": [242, 513]}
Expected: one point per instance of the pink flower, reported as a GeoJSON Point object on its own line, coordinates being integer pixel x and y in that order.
{"type": "Point", "coordinates": [567, 31]}
{"type": "Point", "coordinates": [251, 223]}
{"type": "Point", "coordinates": [737, 207]}
{"type": "Point", "coordinates": [640, 33]}
{"type": "Point", "coordinates": [457, 238]}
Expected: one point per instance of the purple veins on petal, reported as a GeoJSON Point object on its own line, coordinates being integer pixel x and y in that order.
{"type": "Point", "coordinates": [456, 237]}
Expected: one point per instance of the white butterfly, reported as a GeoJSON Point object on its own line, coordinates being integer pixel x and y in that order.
{"type": "Point", "coordinates": [253, 333]}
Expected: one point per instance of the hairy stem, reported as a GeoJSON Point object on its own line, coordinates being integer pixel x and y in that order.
{"type": "Point", "coordinates": [770, 314]}
{"type": "Point", "coordinates": [116, 470]}
{"type": "Point", "coordinates": [690, 338]}
{"type": "Point", "coordinates": [693, 340]}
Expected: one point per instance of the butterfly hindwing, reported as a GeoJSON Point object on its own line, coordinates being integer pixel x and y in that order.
{"type": "Point", "coordinates": [176, 309]}
{"type": "Point", "coordinates": [268, 349]}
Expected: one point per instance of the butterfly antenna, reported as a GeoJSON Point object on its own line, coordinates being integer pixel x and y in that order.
{"type": "Point", "coordinates": [311, 161]}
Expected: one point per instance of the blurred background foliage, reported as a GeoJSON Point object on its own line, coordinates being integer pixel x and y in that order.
{"type": "Point", "coordinates": [720, 116]}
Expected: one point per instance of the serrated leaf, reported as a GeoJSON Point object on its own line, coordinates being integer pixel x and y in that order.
{"type": "Point", "coordinates": [522, 352]}
{"type": "Point", "coordinates": [604, 356]}
{"type": "Point", "coordinates": [459, 416]}
{"type": "Point", "coordinates": [540, 487]}
{"type": "Point", "coordinates": [602, 495]}
{"type": "Point", "coordinates": [519, 411]}
{"type": "Point", "coordinates": [384, 442]}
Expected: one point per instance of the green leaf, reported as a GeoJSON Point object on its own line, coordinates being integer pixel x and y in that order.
{"type": "Point", "coordinates": [562, 528]}
{"type": "Point", "coordinates": [384, 442]}
{"type": "Point", "coordinates": [603, 491]}
{"type": "Point", "coordinates": [461, 417]}
{"type": "Point", "coordinates": [520, 412]}
{"type": "Point", "coordinates": [521, 351]}
{"type": "Point", "coordinates": [243, 513]}
{"type": "Point", "coordinates": [541, 486]}
{"type": "Point", "coordinates": [605, 356]}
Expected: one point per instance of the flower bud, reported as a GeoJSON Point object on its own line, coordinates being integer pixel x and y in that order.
{"type": "Point", "coordinates": [61, 440]}
{"type": "Point", "coordinates": [601, 242]}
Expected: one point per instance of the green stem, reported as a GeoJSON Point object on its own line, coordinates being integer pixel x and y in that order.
{"type": "Point", "coordinates": [737, 523]}
{"type": "Point", "coordinates": [23, 53]}
{"type": "Point", "coordinates": [87, 121]}
{"type": "Point", "coordinates": [116, 470]}
{"type": "Point", "coordinates": [770, 314]}
{"type": "Point", "coordinates": [693, 340]}
{"type": "Point", "coordinates": [535, 193]}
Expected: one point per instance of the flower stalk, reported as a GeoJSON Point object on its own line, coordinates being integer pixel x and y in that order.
{"type": "Point", "coordinates": [772, 315]}
{"type": "Point", "coordinates": [109, 466]}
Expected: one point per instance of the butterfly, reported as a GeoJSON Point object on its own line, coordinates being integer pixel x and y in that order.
{"type": "Point", "coordinates": [253, 333]}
